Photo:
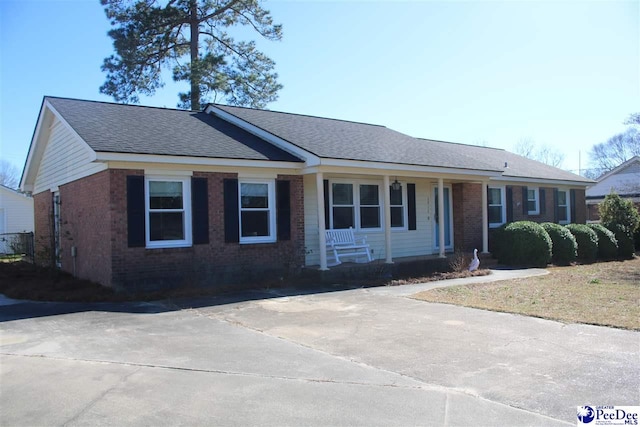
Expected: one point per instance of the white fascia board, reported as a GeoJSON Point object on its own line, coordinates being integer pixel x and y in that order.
{"type": "Point", "coordinates": [357, 166]}
{"type": "Point", "coordinates": [27, 179]}
{"type": "Point", "coordinates": [195, 161]}
{"type": "Point", "coordinates": [510, 180]}
{"type": "Point", "coordinates": [309, 158]}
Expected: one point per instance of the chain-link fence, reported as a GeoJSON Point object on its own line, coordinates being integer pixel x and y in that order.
{"type": "Point", "coordinates": [17, 244]}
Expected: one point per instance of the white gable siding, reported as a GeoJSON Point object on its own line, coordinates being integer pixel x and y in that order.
{"type": "Point", "coordinates": [66, 158]}
{"type": "Point", "coordinates": [624, 181]}
{"type": "Point", "coordinates": [404, 243]}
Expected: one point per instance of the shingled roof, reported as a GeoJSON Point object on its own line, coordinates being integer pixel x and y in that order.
{"type": "Point", "coordinates": [119, 128]}
{"type": "Point", "coordinates": [513, 165]}
{"type": "Point", "coordinates": [339, 139]}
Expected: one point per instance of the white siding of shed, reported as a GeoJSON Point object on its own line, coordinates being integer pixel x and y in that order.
{"type": "Point", "coordinates": [404, 243]}
{"type": "Point", "coordinates": [18, 212]}
{"type": "Point", "coordinates": [66, 158]}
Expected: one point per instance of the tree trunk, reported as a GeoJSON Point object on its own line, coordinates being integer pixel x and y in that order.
{"type": "Point", "coordinates": [195, 67]}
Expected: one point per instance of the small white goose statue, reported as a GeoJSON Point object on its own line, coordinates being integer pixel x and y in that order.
{"type": "Point", "coordinates": [475, 262]}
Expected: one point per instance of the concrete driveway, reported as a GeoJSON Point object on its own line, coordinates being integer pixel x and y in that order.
{"type": "Point", "coordinates": [353, 357]}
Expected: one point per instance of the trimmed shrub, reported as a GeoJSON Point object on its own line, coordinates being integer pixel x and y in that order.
{"type": "Point", "coordinates": [587, 240]}
{"type": "Point", "coordinates": [565, 248]}
{"type": "Point", "coordinates": [625, 241]}
{"type": "Point", "coordinates": [524, 243]}
{"type": "Point", "coordinates": [607, 242]}
{"type": "Point", "coordinates": [496, 237]}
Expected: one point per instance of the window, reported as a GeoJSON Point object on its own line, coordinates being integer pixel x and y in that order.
{"type": "Point", "coordinates": [355, 205]}
{"type": "Point", "coordinates": [563, 207]}
{"type": "Point", "coordinates": [497, 206]}
{"type": "Point", "coordinates": [533, 207]}
{"type": "Point", "coordinates": [168, 213]}
{"type": "Point", "coordinates": [257, 211]}
{"type": "Point", "coordinates": [343, 208]}
{"type": "Point", "coordinates": [369, 206]}
{"type": "Point", "coordinates": [397, 207]}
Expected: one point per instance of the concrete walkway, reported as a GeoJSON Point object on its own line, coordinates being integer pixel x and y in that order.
{"type": "Point", "coordinates": [353, 357]}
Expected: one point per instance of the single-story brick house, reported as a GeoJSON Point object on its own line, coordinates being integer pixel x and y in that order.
{"type": "Point", "coordinates": [133, 196]}
{"type": "Point", "coordinates": [624, 180]}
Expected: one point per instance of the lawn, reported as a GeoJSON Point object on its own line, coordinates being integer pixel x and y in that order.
{"type": "Point", "coordinates": [606, 293]}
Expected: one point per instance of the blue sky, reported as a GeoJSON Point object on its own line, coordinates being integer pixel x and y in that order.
{"type": "Point", "coordinates": [563, 74]}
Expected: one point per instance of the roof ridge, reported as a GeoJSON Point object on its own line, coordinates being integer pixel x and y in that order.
{"type": "Point", "coordinates": [120, 104]}
{"type": "Point", "coordinates": [460, 143]}
{"type": "Point", "coordinates": [299, 115]}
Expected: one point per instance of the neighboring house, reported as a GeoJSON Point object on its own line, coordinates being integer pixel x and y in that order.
{"type": "Point", "coordinates": [624, 180]}
{"type": "Point", "coordinates": [16, 216]}
{"type": "Point", "coordinates": [145, 196]}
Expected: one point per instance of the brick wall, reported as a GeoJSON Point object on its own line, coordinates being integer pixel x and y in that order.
{"type": "Point", "coordinates": [85, 225]}
{"type": "Point", "coordinates": [547, 211]}
{"type": "Point", "coordinates": [43, 228]}
{"type": "Point", "coordinates": [467, 216]}
{"type": "Point", "coordinates": [217, 264]}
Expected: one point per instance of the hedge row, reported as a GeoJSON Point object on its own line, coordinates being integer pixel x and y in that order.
{"type": "Point", "coordinates": [529, 244]}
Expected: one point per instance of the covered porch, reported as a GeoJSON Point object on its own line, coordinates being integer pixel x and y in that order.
{"type": "Point", "coordinates": [398, 211]}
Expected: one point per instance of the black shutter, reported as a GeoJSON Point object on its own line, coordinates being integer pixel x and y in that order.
{"type": "Point", "coordinates": [556, 209]}
{"type": "Point", "coordinates": [327, 220]}
{"type": "Point", "coordinates": [231, 211]}
{"type": "Point", "coordinates": [509, 202]}
{"type": "Point", "coordinates": [525, 203]}
{"type": "Point", "coordinates": [200, 210]}
{"type": "Point", "coordinates": [283, 209]}
{"type": "Point", "coordinates": [572, 194]}
{"type": "Point", "coordinates": [135, 211]}
{"type": "Point", "coordinates": [411, 206]}
{"type": "Point", "coordinates": [543, 201]}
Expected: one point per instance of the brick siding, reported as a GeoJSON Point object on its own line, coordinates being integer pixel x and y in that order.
{"type": "Point", "coordinates": [216, 264]}
{"type": "Point", "coordinates": [85, 224]}
{"type": "Point", "coordinates": [467, 216]}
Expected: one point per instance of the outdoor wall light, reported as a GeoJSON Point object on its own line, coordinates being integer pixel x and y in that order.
{"type": "Point", "coordinates": [395, 186]}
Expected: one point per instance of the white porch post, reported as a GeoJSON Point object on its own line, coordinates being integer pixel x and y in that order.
{"type": "Point", "coordinates": [322, 237]}
{"type": "Point", "coordinates": [387, 220]}
{"type": "Point", "coordinates": [485, 218]}
{"type": "Point", "coordinates": [441, 217]}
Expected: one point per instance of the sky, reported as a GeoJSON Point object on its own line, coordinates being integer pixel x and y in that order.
{"type": "Point", "coordinates": [564, 74]}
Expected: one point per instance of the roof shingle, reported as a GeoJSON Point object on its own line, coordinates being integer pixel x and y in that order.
{"type": "Point", "coordinates": [120, 128]}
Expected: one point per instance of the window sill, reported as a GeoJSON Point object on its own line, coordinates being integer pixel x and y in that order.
{"type": "Point", "coordinates": [169, 245]}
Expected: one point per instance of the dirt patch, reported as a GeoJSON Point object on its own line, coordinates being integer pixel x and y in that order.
{"type": "Point", "coordinates": [23, 280]}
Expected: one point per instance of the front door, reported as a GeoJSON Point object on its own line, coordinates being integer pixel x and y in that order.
{"type": "Point", "coordinates": [448, 219]}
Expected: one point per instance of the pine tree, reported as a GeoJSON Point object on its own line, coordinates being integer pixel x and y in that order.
{"type": "Point", "coordinates": [191, 37]}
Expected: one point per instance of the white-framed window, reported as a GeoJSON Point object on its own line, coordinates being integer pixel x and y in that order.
{"type": "Point", "coordinates": [168, 211]}
{"type": "Point", "coordinates": [257, 211]}
{"type": "Point", "coordinates": [533, 201]}
{"type": "Point", "coordinates": [497, 206]}
{"type": "Point", "coordinates": [355, 204]}
{"type": "Point", "coordinates": [398, 199]}
{"type": "Point", "coordinates": [564, 213]}
{"type": "Point", "coordinates": [369, 206]}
